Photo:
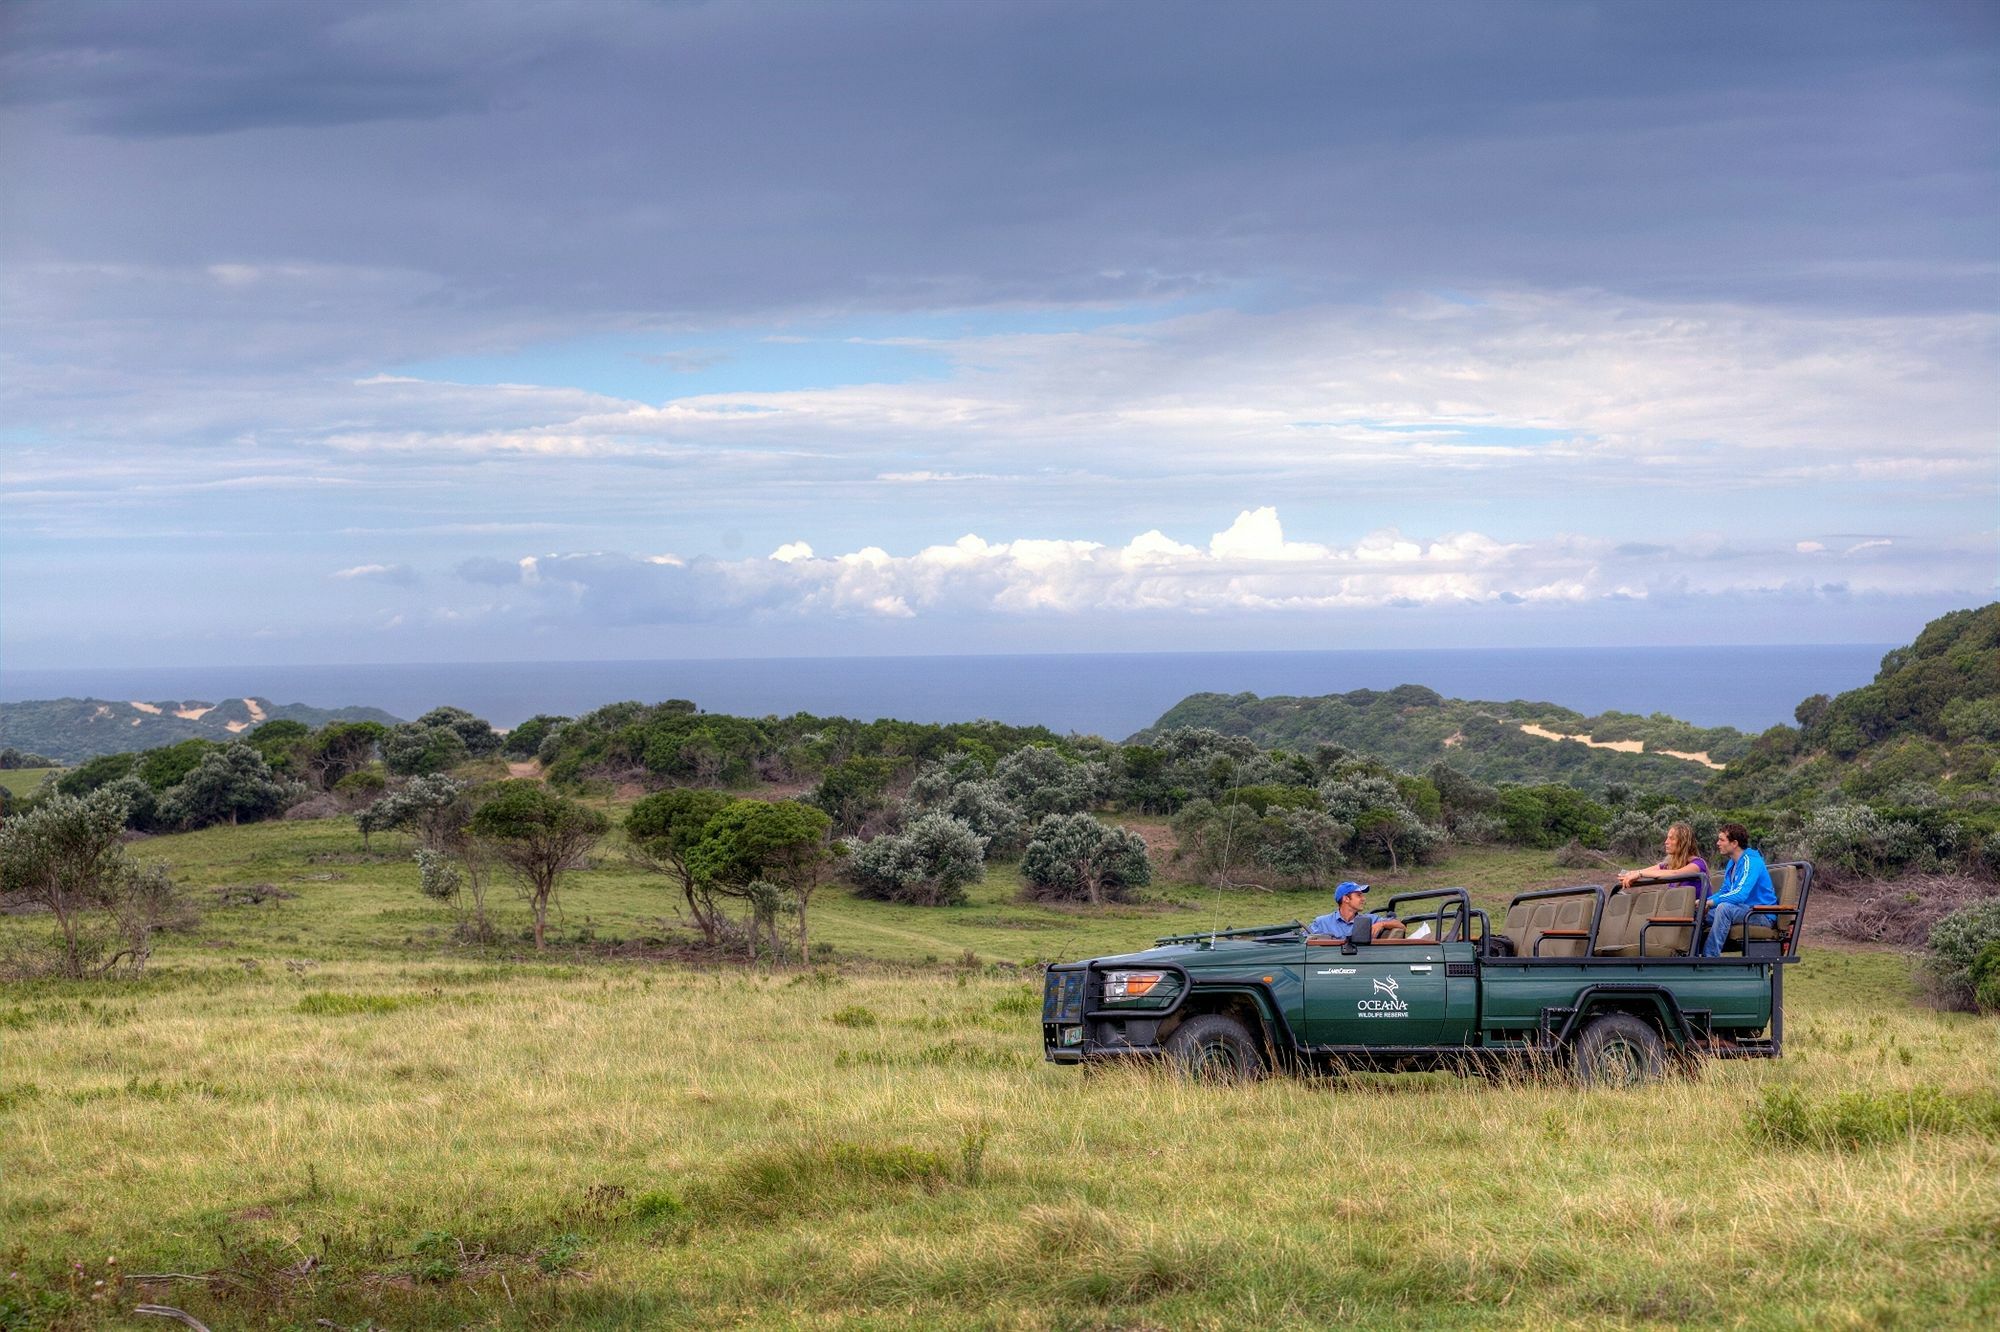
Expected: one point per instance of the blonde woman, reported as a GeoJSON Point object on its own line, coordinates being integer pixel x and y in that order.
{"type": "Point", "coordinates": [1680, 861]}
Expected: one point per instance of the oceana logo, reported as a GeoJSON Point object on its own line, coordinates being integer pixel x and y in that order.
{"type": "Point", "coordinates": [1393, 1006]}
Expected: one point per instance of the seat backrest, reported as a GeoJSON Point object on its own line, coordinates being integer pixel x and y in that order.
{"type": "Point", "coordinates": [1615, 924]}
{"type": "Point", "coordinates": [1645, 905]}
{"type": "Point", "coordinates": [1571, 913]}
{"type": "Point", "coordinates": [1676, 900]}
{"type": "Point", "coordinates": [1542, 916]}
{"type": "Point", "coordinates": [1515, 927]}
{"type": "Point", "coordinates": [1785, 878]}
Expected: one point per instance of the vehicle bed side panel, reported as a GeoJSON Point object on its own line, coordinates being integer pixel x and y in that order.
{"type": "Point", "coordinates": [1736, 995]}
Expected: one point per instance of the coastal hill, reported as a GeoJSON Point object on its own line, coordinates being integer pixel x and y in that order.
{"type": "Point", "coordinates": [74, 729]}
{"type": "Point", "coordinates": [1412, 726]}
{"type": "Point", "coordinates": [1926, 727]}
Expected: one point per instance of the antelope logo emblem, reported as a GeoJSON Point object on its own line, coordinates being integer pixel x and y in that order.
{"type": "Point", "coordinates": [1386, 985]}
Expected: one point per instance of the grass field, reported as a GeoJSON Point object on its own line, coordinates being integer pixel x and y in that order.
{"type": "Point", "coordinates": [320, 1108]}
{"type": "Point", "coordinates": [23, 780]}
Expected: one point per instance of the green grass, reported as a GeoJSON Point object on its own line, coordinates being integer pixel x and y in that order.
{"type": "Point", "coordinates": [21, 781]}
{"type": "Point", "coordinates": [325, 1110]}
{"type": "Point", "coordinates": [356, 903]}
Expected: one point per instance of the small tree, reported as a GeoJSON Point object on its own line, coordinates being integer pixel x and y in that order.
{"type": "Point", "coordinates": [782, 841]}
{"type": "Point", "coordinates": [540, 836]}
{"type": "Point", "coordinates": [338, 749]}
{"type": "Point", "coordinates": [1074, 856]}
{"type": "Point", "coordinates": [663, 830]}
{"type": "Point", "coordinates": [65, 855]}
{"type": "Point", "coordinates": [928, 864]}
{"type": "Point", "coordinates": [232, 783]}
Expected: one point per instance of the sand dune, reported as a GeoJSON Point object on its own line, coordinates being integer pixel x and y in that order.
{"type": "Point", "coordinates": [1622, 746]}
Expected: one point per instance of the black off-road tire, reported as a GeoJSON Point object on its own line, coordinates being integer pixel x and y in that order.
{"type": "Point", "coordinates": [1214, 1048]}
{"type": "Point", "coordinates": [1619, 1050]}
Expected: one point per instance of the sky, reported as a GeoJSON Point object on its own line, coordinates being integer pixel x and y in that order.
{"type": "Point", "coordinates": [609, 330]}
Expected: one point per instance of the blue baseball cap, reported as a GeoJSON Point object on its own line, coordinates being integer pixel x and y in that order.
{"type": "Point", "coordinates": [1348, 886]}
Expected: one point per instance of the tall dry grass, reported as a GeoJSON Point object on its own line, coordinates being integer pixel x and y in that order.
{"type": "Point", "coordinates": [431, 1144]}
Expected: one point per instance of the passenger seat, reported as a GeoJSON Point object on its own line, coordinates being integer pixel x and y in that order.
{"type": "Point", "coordinates": [1675, 930]}
{"type": "Point", "coordinates": [1786, 879]}
{"type": "Point", "coordinates": [1568, 930]}
{"type": "Point", "coordinates": [1616, 925]}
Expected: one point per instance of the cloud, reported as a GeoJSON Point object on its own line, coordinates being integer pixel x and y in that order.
{"type": "Point", "coordinates": [1250, 567]}
{"type": "Point", "coordinates": [496, 573]}
{"type": "Point", "coordinates": [400, 574]}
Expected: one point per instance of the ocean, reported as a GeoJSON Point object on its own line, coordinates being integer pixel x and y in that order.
{"type": "Point", "coordinates": [1108, 694]}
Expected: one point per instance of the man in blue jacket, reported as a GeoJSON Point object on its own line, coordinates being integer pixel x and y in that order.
{"type": "Point", "coordinates": [1746, 885]}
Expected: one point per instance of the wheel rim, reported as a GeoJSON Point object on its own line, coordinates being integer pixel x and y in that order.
{"type": "Point", "coordinates": [1620, 1063]}
{"type": "Point", "coordinates": [1216, 1062]}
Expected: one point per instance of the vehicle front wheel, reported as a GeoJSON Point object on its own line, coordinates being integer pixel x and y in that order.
{"type": "Point", "coordinates": [1214, 1048]}
{"type": "Point", "coordinates": [1619, 1050]}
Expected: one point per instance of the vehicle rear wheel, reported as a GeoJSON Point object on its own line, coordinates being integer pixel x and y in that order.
{"type": "Point", "coordinates": [1619, 1050]}
{"type": "Point", "coordinates": [1214, 1048]}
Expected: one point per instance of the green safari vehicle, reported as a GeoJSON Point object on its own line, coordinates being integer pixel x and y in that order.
{"type": "Point", "coordinates": [1607, 983]}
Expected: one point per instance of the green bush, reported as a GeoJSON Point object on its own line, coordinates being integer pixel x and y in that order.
{"type": "Point", "coordinates": [1550, 815]}
{"type": "Point", "coordinates": [1986, 978]}
{"type": "Point", "coordinates": [1959, 943]}
{"type": "Point", "coordinates": [363, 785]}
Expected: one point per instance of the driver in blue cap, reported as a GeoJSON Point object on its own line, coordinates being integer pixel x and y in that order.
{"type": "Point", "coordinates": [1348, 920]}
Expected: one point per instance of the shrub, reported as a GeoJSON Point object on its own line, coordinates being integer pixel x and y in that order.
{"type": "Point", "coordinates": [364, 785]}
{"type": "Point", "coordinates": [1550, 815]}
{"type": "Point", "coordinates": [64, 855]}
{"type": "Point", "coordinates": [1842, 837]}
{"type": "Point", "coordinates": [525, 741]}
{"type": "Point", "coordinates": [1986, 978]}
{"type": "Point", "coordinates": [855, 795]}
{"type": "Point", "coordinates": [435, 808]}
{"type": "Point", "coordinates": [231, 782]}
{"type": "Point", "coordinates": [1304, 845]}
{"type": "Point", "coordinates": [929, 864]}
{"type": "Point", "coordinates": [1038, 781]}
{"type": "Point", "coordinates": [1074, 857]}
{"type": "Point", "coordinates": [1373, 805]}
{"type": "Point", "coordinates": [415, 749]}
{"type": "Point", "coordinates": [1958, 943]}
{"type": "Point", "coordinates": [437, 877]}
{"type": "Point", "coordinates": [1634, 832]}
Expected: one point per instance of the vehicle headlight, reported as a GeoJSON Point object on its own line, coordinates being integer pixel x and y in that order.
{"type": "Point", "coordinates": [1139, 987]}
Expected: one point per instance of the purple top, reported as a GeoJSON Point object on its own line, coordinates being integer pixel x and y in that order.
{"type": "Point", "coordinates": [1687, 871]}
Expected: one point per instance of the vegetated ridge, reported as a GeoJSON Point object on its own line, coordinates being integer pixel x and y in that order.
{"type": "Point", "coordinates": [1412, 726]}
{"type": "Point", "coordinates": [1927, 728]}
{"type": "Point", "coordinates": [74, 729]}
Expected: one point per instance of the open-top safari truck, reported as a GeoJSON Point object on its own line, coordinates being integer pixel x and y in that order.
{"type": "Point", "coordinates": [1608, 983]}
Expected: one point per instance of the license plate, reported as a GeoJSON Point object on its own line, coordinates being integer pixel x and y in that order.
{"type": "Point", "coordinates": [1072, 1036]}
